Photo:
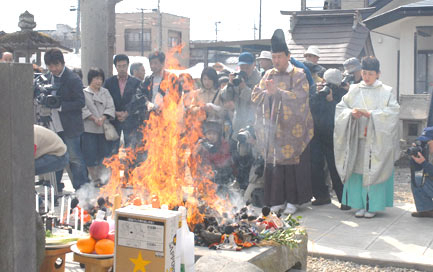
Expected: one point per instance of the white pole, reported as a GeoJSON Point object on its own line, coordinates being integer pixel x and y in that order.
{"type": "Point", "coordinates": [52, 200]}
{"type": "Point", "coordinates": [68, 211]}
{"type": "Point", "coordinates": [82, 220]}
{"type": "Point", "coordinates": [62, 210]}
{"type": "Point", "coordinates": [37, 203]}
{"type": "Point", "coordinates": [76, 218]}
{"type": "Point", "coordinates": [46, 199]}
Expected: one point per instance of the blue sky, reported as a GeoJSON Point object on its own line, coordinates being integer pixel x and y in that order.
{"type": "Point", "coordinates": [237, 17]}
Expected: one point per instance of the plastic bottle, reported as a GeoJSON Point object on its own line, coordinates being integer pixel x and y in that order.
{"type": "Point", "coordinates": [187, 245]}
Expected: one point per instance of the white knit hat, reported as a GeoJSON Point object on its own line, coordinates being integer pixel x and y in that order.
{"type": "Point", "coordinates": [333, 76]}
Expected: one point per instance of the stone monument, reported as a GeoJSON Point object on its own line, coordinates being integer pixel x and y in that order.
{"type": "Point", "coordinates": [17, 191]}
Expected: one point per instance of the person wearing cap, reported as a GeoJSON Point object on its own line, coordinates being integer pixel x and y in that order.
{"type": "Point", "coordinates": [422, 186]}
{"type": "Point", "coordinates": [366, 143]}
{"type": "Point", "coordinates": [312, 54]}
{"type": "Point", "coordinates": [352, 68]}
{"type": "Point", "coordinates": [241, 94]}
{"type": "Point", "coordinates": [284, 128]}
{"type": "Point", "coordinates": [322, 104]}
{"type": "Point", "coordinates": [265, 61]}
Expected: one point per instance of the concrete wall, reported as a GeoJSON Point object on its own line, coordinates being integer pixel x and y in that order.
{"type": "Point", "coordinates": [151, 21]}
{"type": "Point", "coordinates": [400, 36]}
{"type": "Point", "coordinates": [352, 4]}
{"type": "Point", "coordinates": [97, 35]}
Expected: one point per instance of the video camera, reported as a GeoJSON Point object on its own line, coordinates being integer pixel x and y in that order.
{"type": "Point", "coordinates": [413, 150]}
{"type": "Point", "coordinates": [239, 77]}
{"type": "Point", "coordinates": [347, 79]}
{"type": "Point", "coordinates": [245, 134]}
{"type": "Point", "coordinates": [208, 146]}
{"type": "Point", "coordinates": [45, 93]}
{"type": "Point", "coordinates": [327, 89]}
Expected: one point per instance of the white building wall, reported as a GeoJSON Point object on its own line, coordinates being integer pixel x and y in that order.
{"type": "Point", "coordinates": [386, 48]}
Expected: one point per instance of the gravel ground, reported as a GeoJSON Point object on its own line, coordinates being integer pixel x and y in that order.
{"type": "Point", "coordinates": [402, 194]}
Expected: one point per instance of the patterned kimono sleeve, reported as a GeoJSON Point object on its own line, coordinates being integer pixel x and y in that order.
{"type": "Point", "coordinates": [259, 92]}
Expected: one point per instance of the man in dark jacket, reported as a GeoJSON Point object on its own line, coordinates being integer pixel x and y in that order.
{"type": "Point", "coordinates": [68, 120]}
{"type": "Point", "coordinates": [422, 185]}
{"type": "Point", "coordinates": [122, 88]}
{"type": "Point", "coordinates": [322, 105]}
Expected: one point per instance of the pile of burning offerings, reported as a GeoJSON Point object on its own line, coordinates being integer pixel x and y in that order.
{"type": "Point", "coordinates": [168, 176]}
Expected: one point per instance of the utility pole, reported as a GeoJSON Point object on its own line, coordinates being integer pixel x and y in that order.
{"type": "Point", "coordinates": [260, 23]}
{"type": "Point", "coordinates": [216, 30]}
{"type": "Point", "coordinates": [160, 26]}
{"type": "Point", "coordinates": [77, 38]}
{"type": "Point", "coordinates": [77, 30]}
{"type": "Point", "coordinates": [142, 32]}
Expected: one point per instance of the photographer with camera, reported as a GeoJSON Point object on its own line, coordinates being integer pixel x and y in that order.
{"type": "Point", "coordinates": [422, 186]}
{"type": "Point", "coordinates": [352, 72]}
{"type": "Point", "coordinates": [67, 118]}
{"type": "Point", "coordinates": [239, 89]}
{"type": "Point", "coordinates": [322, 104]}
{"type": "Point", "coordinates": [214, 154]}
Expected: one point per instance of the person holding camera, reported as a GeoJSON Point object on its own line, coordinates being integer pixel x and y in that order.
{"type": "Point", "coordinates": [422, 186]}
{"type": "Point", "coordinates": [284, 128]}
{"type": "Point", "coordinates": [67, 119]}
{"type": "Point", "coordinates": [239, 91]}
{"type": "Point", "coordinates": [352, 72]}
{"type": "Point", "coordinates": [328, 95]}
{"type": "Point", "coordinates": [366, 143]}
{"type": "Point", "coordinates": [214, 154]}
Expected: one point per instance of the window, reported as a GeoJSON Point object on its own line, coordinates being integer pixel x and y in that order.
{"type": "Point", "coordinates": [413, 129]}
{"type": "Point", "coordinates": [174, 38]}
{"type": "Point", "coordinates": [424, 72]}
{"type": "Point", "coordinates": [133, 40]}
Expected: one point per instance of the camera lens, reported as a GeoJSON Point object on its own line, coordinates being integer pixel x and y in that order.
{"type": "Point", "coordinates": [236, 81]}
{"type": "Point", "coordinates": [325, 91]}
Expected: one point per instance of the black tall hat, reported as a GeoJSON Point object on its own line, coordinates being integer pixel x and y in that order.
{"type": "Point", "coordinates": [278, 42]}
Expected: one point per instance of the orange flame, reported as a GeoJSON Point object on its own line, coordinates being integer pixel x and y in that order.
{"type": "Point", "coordinates": [170, 174]}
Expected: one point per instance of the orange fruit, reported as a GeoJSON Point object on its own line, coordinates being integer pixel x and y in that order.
{"type": "Point", "coordinates": [86, 245]}
{"type": "Point", "coordinates": [137, 201]}
{"type": "Point", "coordinates": [104, 246]}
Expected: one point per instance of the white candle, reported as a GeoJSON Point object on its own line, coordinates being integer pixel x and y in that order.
{"type": "Point", "coordinates": [69, 211]}
{"type": "Point", "coordinates": [82, 220]}
{"type": "Point", "coordinates": [37, 203]}
{"type": "Point", "coordinates": [76, 218]}
{"type": "Point", "coordinates": [52, 200]}
{"type": "Point", "coordinates": [62, 210]}
{"type": "Point", "coordinates": [46, 199]}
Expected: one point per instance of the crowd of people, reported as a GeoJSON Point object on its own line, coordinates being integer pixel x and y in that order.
{"type": "Point", "coordinates": [286, 123]}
